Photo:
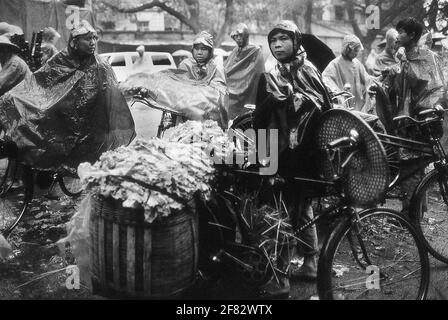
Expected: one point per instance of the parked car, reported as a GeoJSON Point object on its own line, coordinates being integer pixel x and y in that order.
{"type": "Point", "coordinates": [123, 62]}
{"type": "Point", "coordinates": [181, 55]}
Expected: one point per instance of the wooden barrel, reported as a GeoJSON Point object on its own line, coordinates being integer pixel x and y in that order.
{"type": "Point", "coordinates": [131, 258]}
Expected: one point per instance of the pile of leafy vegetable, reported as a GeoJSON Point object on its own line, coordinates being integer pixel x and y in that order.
{"type": "Point", "coordinates": [208, 134]}
{"type": "Point", "coordinates": [178, 169]}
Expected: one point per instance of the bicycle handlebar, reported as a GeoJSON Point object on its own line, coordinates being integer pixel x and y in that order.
{"type": "Point", "coordinates": [437, 111]}
{"type": "Point", "coordinates": [350, 141]}
{"type": "Point", "coordinates": [145, 101]}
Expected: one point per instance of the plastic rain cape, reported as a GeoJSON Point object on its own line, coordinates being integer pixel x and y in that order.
{"type": "Point", "coordinates": [67, 112]}
{"type": "Point", "coordinates": [198, 100]}
{"type": "Point", "coordinates": [243, 70]}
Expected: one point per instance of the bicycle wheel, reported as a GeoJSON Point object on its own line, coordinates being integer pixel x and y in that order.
{"type": "Point", "coordinates": [14, 203]}
{"type": "Point", "coordinates": [379, 257]}
{"type": "Point", "coordinates": [70, 186]}
{"type": "Point", "coordinates": [429, 209]}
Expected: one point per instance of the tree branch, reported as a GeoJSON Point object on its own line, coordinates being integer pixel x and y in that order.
{"type": "Point", "coordinates": [156, 3]}
{"type": "Point", "coordinates": [228, 21]}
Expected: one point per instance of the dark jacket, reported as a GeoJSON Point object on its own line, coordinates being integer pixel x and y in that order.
{"type": "Point", "coordinates": [292, 101]}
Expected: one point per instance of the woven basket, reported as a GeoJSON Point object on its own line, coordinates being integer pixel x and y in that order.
{"type": "Point", "coordinates": [131, 258]}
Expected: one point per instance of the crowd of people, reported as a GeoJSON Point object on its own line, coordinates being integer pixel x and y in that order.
{"type": "Point", "coordinates": [69, 111]}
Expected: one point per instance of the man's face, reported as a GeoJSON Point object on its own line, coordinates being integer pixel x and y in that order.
{"type": "Point", "coordinates": [282, 46]}
{"type": "Point", "coordinates": [201, 53]}
{"type": "Point", "coordinates": [239, 39]}
{"type": "Point", "coordinates": [353, 53]}
{"type": "Point", "coordinates": [394, 40]}
{"type": "Point", "coordinates": [87, 44]}
{"type": "Point", "coordinates": [404, 39]}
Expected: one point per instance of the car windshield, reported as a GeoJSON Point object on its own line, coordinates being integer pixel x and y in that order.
{"type": "Point", "coordinates": [117, 61]}
{"type": "Point", "coordinates": [161, 60]}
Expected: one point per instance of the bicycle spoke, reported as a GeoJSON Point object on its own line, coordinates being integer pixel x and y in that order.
{"type": "Point", "coordinates": [394, 270]}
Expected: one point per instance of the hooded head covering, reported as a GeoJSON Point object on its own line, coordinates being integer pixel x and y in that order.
{"type": "Point", "coordinates": [391, 39]}
{"type": "Point", "coordinates": [241, 29]}
{"type": "Point", "coordinates": [81, 29]}
{"type": "Point", "coordinates": [350, 42]}
{"type": "Point", "coordinates": [206, 39]}
{"type": "Point", "coordinates": [6, 43]}
{"type": "Point", "coordinates": [290, 28]}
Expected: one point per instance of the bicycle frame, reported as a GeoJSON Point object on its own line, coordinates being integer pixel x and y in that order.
{"type": "Point", "coordinates": [431, 152]}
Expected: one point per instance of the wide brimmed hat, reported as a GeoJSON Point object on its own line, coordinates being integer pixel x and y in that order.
{"type": "Point", "coordinates": [6, 43]}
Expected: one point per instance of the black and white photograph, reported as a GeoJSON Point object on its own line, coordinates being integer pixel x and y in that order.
{"type": "Point", "coordinates": [222, 155]}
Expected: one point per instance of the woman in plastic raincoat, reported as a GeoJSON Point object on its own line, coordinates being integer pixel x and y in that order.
{"type": "Point", "coordinates": [69, 111]}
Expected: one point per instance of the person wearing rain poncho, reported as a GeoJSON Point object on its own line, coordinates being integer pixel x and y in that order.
{"type": "Point", "coordinates": [49, 39]}
{"type": "Point", "coordinates": [197, 90]}
{"type": "Point", "coordinates": [200, 66]}
{"type": "Point", "coordinates": [13, 69]}
{"type": "Point", "coordinates": [414, 85]}
{"type": "Point", "coordinates": [290, 99]}
{"type": "Point", "coordinates": [243, 69]}
{"type": "Point", "coordinates": [69, 111]}
{"type": "Point", "coordinates": [387, 58]}
{"type": "Point", "coordinates": [346, 72]}
{"type": "Point", "coordinates": [143, 62]}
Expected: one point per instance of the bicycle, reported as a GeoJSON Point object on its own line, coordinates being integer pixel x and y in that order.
{"type": "Point", "coordinates": [14, 201]}
{"type": "Point", "coordinates": [352, 238]}
{"type": "Point", "coordinates": [429, 201]}
{"type": "Point", "coordinates": [392, 246]}
{"type": "Point", "coordinates": [427, 213]}
{"type": "Point", "coordinates": [428, 204]}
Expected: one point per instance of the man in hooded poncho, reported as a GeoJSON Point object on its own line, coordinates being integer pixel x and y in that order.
{"type": "Point", "coordinates": [345, 71]}
{"type": "Point", "coordinates": [416, 84]}
{"type": "Point", "coordinates": [386, 59]}
{"type": "Point", "coordinates": [290, 99]}
{"type": "Point", "coordinates": [243, 69]}
{"type": "Point", "coordinates": [12, 68]}
{"type": "Point", "coordinates": [69, 111]}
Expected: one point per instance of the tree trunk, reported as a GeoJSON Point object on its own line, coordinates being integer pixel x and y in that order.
{"type": "Point", "coordinates": [308, 15]}
{"type": "Point", "coordinates": [228, 22]}
{"type": "Point", "coordinates": [193, 10]}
